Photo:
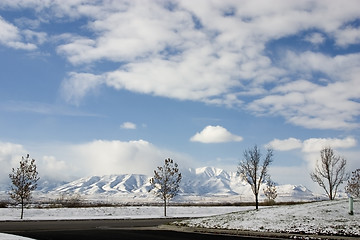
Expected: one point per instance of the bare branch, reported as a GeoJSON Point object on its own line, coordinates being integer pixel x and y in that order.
{"type": "Point", "coordinates": [353, 185]}
{"type": "Point", "coordinates": [330, 173]}
{"type": "Point", "coordinates": [252, 172]}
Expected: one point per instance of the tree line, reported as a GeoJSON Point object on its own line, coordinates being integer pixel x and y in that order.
{"type": "Point", "coordinates": [329, 174]}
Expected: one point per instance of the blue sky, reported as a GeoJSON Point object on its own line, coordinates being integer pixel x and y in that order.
{"type": "Point", "coordinates": [106, 87]}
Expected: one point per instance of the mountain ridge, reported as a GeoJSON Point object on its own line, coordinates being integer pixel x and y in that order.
{"type": "Point", "coordinates": [197, 183]}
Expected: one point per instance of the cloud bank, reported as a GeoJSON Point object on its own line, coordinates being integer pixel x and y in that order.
{"type": "Point", "coordinates": [99, 157]}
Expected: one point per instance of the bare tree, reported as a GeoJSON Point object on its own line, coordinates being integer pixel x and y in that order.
{"type": "Point", "coordinates": [353, 185]}
{"type": "Point", "coordinates": [330, 172]}
{"type": "Point", "coordinates": [166, 181]}
{"type": "Point", "coordinates": [270, 191]}
{"type": "Point", "coordinates": [253, 171]}
{"type": "Point", "coordinates": [24, 181]}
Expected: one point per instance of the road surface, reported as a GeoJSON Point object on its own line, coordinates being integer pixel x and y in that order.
{"type": "Point", "coordinates": [103, 229]}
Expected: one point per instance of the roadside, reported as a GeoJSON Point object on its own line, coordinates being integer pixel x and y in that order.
{"type": "Point", "coordinates": [255, 233]}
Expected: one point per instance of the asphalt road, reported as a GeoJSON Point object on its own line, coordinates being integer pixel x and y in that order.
{"type": "Point", "coordinates": [103, 229]}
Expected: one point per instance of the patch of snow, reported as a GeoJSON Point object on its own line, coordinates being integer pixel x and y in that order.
{"type": "Point", "coordinates": [4, 236]}
{"type": "Point", "coordinates": [11, 214]}
{"type": "Point", "coordinates": [326, 217]}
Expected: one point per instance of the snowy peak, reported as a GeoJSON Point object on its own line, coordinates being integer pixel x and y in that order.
{"type": "Point", "coordinates": [207, 181]}
{"type": "Point", "coordinates": [211, 172]}
{"type": "Point", "coordinates": [124, 183]}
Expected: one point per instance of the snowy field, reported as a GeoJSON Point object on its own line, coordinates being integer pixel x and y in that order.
{"type": "Point", "coordinates": [328, 217]}
{"type": "Point", "coordinates": [11, 214]}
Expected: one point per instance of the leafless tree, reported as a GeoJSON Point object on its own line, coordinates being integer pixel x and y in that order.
{"type": "Point", "coordinates": [253, 171]}
{"type": "Point", "coordinates": [270, 191]}
{"type": "Point", "coordinates": [353, 185]}
{"type": "Point", "coordinates": [24, 181]}
{"type": "Point", "coordinates": [330, 172]}
{"type": "Point", "coordinates": [166, 181]}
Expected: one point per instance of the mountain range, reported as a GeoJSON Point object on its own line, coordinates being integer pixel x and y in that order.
{"type": "Point", "coordinates": [200, 184]}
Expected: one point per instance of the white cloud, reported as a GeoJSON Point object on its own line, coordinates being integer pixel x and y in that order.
{"type": "Point", "coordinates": [285, 145]}
{"type": "Point", "coordinates": [315, 38]}
{"type": "Point", "coordinates": [111, 157]}
{"type": "Point", "coordinates": [215, 134]}
{"type": "Point", "coordinates": [128, 125]}
{"type": "Point", "coordinates": [115, 157]}
{"type": "Point", "coordinates": [310, 153]}
{"type": "Point", "coordinates": [37, 37]}
{"type": "Point", "coordinates": [10, 155]}
{"type": "Point", "coordinates": [347, 36]}
{"type": "Point", "coordinates": [331, 104]}
{"type": "Point", "coordinates": [312, 145]}
{"type": "Point", "coordinates": [10, 36]}
{"type": "Point", "coordinates": [65, 162]}
{"type": "Point", "coordinates": [316, 144]}
{"type": "Point", "coordinates": [77, 85]}
{"type": "Point", "coordinates": [50, 168]}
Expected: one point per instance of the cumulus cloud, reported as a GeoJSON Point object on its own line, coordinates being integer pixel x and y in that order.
{"type": "Point", "coordinates": [215, 134]}
{"type": "Point", "coordinates": [285, 145]}
{"type": "Point", "coordinates": [329, 104]}
{"type": "Point", "coordinates": [128, 125]}
{"type": "Point", "coordinates": [312, 145]}
{"type": "Point", "coordinates": [316, 144]}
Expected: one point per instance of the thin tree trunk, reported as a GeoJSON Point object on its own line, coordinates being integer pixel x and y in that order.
{"type": "Point", "coordinates": [330, 187]}
{"type": "Point", "coordinates": [256, 202]}
{"type": "Point", "coordinates": [22, 209]}
{"type": "Point", "coordinates": [165, 207]}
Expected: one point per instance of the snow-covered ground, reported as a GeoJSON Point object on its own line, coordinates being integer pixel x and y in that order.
{"type": "Point", "coordinates": [4, 236]}
{"type": "Point", "coordinates": [327, 217]}
{"type": "Point", "coordinates": [7, 214]}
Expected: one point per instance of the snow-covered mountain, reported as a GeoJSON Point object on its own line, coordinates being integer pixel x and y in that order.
{"type": "Point", "coordinates": [108, 184]}
{"type": "Point", "coordinates": [197, 185]}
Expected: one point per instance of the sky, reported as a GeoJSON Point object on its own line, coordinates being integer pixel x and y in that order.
{"type": "Point", "coordinates": [110, 87]}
